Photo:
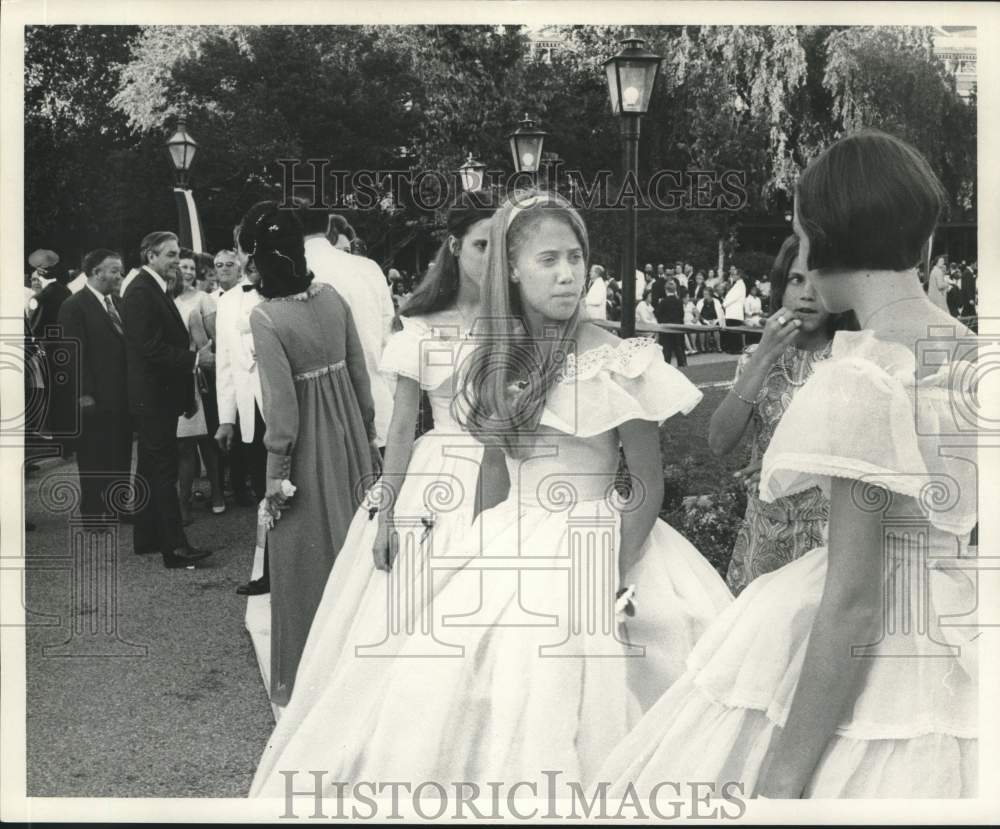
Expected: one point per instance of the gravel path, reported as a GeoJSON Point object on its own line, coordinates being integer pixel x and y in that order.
{"type": "Point", "coordinates": [190, 717]}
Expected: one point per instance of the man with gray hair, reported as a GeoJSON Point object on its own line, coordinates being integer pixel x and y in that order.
{"type": "Point", "coordinates": [161, 383]}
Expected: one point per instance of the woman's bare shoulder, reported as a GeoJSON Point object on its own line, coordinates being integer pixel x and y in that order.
{"type": "Point", "coordinates": [590, 335]}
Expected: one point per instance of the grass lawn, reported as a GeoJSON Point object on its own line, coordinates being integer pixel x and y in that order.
{"type": "Point", "coordinates": [687, 436]}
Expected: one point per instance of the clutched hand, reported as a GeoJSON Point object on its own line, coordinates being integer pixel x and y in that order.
{"type": "Point", "coordinates": [750, 476]}
{"type": "Point", "coordinates": [625, 603]}
{"type": "Point", "coordinates": [780, 331]}
{"type": "Point", "coordinates": [385, 546]}
{"type": "Point", "coordinates": [277, 494]}
{"type": "Point", "coordinates": [376, 457]}
{"type": "Point", "coordinates": [279, 491]}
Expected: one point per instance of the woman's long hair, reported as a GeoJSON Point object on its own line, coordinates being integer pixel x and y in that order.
{"type": "Point", "coordinates": [438, 289]}
{"type": "Point", "coordinates": [504, 382]}
{"type": "Point", "coordinates": [782, 267]}
{"type": "Point", "coordinates": [275, 242]}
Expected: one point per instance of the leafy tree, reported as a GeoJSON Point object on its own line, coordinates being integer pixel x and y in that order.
{"type": "Point", "coordinates": [81, 167]}
{"type": "Point", "coordinates": [759, 100]}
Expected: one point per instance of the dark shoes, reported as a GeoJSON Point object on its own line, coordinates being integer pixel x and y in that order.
{"type": "Point", "coordinates": [184, 557]}
{"type": "Point", "coordinates": [257, 587]}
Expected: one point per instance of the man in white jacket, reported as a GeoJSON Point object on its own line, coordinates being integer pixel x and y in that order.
{"type": "Point", "coordinates": [597, 295]}
{"type": "Point", "coordinates": [237, 387]}
{"type": "Point", "coordinates": [735, 312]}
{"type": "Point", "coordinates": [362, 285]}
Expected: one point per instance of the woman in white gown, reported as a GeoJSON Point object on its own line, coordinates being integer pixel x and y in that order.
{"type": "Point", "coordinates": [529, 669]}
{"type": "Point", "coordinates": [441, 467]}
{"type": "Point", "coordinates": [840, 675]}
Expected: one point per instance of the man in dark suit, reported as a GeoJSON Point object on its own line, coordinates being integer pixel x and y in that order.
{"type": "Point", "coordinates": [91, 318]}
{"type": "Point", "coordinates": [43, 318]}
{"type": "Point", "coordinates": [160, 370]}
{"type": "Point", "coordinates": [670, 309]}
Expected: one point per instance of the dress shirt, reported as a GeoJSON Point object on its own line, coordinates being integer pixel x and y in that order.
{"type": "Point", "coordinates": [100, 297]}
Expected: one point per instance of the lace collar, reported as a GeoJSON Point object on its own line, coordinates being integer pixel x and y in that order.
{"type": "Point", "coordinates": [629, 359]}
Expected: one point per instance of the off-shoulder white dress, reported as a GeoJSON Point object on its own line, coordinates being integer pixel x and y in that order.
{"type": "Point", "coordinates": [527, 668]}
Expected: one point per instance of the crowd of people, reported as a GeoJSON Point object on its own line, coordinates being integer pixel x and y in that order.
{"type": "Point", "coordinates": [748, 679]}
{"type": "Point", "coordinates": [737, 299]}
{"type": "Point", "coordinates": [129, 412]}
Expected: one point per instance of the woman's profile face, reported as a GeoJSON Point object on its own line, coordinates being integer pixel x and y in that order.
{"type": "Point", "coordinates": [473, 249]}
{"type": "Point", "coordinates": [549, 269]}
{"type": "Point", "coordinates": [188, 271]}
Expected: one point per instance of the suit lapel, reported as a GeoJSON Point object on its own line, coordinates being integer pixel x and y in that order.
{"type": "Point", "coordinates": [171, 305]}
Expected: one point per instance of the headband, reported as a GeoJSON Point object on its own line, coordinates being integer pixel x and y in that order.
{"type": "Point", "coordinates": [534, 201]}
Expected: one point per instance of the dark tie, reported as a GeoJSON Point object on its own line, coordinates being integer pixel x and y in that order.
{"type": "Point", "coordinates": [116, 320]}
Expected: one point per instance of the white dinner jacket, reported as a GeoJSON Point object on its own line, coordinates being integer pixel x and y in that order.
{"type": "Point", "coordinates": [237, 384]}
{"type": "Point", "coordinates": [363, 287]}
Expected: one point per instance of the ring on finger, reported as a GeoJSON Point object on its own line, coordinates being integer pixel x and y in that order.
{"type": "Point", "coordinates": [781, 320]}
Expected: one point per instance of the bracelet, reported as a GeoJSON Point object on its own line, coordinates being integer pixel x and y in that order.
{"type": "Point", "coordinates": [741, 397]}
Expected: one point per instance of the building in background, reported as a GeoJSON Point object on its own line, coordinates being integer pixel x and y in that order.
{"type": "Point", "coordinates": [544, 42]}
{"type": "Point", "coordinates": [956, 47]}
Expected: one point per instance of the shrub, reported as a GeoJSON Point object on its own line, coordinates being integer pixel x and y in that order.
{"type": "Point", "coordinates": [709, 521]}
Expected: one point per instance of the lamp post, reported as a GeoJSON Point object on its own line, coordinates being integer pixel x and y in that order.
{"type": "Point", "coordinates": [181, 148]}
{"type": "Point", "coordinates": [526, 147]}
{"type": "Point", "coordinates": [471, 175]}
{"type": "Point", "coordinates": [631, 76]}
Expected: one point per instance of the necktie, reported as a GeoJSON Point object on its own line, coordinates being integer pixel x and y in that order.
{"type": "Point", "coordinates": [116, 320]}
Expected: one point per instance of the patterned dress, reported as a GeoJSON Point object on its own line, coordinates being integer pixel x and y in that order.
{"type": "Point", "coordinates": [779, 532]}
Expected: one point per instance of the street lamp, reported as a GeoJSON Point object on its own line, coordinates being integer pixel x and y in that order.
{"type": "Point", "coordinates": [181, 147]}
{"type": "Point", "coordinates": [471, 174]}
{"type": "Point", "coordinates": [631, 77]}
{"type": "Point", "coordinates": [526, 146]}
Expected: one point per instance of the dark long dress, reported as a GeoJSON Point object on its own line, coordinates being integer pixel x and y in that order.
{"type": "Point", "coordinates": [318, 408]}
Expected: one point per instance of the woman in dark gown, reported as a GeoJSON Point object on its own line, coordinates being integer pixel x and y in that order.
{"type": "Point", "coordinates": [318, 409]}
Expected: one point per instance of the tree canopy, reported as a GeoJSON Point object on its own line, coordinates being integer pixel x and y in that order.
{"type": "Point", "coordinates": [763, 101]}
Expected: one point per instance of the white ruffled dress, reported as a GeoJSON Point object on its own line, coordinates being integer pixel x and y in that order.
{"type": "Point", "coordinates": [526, 668]}
{"type": "Point", "coordinates": [912, 730]}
